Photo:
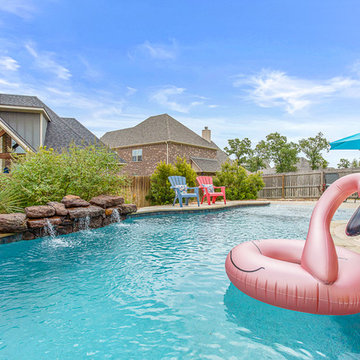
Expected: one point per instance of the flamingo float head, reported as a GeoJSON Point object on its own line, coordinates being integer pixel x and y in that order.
{"type": "Point", "coordinates": [319, 256]}
{"type": "Point", "coordinates": [353, 226]}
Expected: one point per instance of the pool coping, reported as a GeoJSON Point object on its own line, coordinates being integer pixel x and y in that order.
{"type": "Point", "coordinates": [193, 208]}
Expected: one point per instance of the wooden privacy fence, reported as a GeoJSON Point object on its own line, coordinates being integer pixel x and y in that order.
{"type": "Point", "coordinates": [137, 189]}
{"type": "Point", "coordinates": [307, 185]}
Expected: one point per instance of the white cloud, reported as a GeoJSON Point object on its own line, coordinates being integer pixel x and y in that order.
{"type": "Point", "coordinates": [272, 88]}
{"type": "Point", "coordinates": [45, 61]}
{"type": "Point", "coordinates": [174, 98]}
{"type": "Point", "coordinates": [7, 84]}
{"type": "Point", "coordinates": [7, 63]}
{"type": "Point", "coordinates": [130, 91]}
{"type": "Point", "coordinates": [157, 51]}
{"type": "Point", "coordinates": [21, 8]}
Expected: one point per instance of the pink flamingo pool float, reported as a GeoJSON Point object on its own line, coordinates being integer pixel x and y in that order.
{"type": "Point", "coordinates": [313, 276]}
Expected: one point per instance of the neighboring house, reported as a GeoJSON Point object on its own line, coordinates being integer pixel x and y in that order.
{"type": "Point", "coordinates": [162, 138]}
{"type": "Point", "coordinates": [26, 124]}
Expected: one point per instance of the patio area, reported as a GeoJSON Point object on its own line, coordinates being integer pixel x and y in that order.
{"type": "Point", "coordinates": [193, 207]}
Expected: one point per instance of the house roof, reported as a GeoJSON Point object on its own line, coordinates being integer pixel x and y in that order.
{"type": "Point", "coordinates": [207, 165]}
{"type": "Point", "coordinates": [155, 129]}
{"type": "Point", "coordinates": [60, 132]}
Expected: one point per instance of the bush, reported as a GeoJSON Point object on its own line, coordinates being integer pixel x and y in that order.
{"type": "Point", "coordinates": [48, 176]}
{"type": "Point", "coordinates": [160, 192]}
{"type": "Point", "coordinates": [9, 200]}
{"type": "Point", "coordinates": [239, 185]}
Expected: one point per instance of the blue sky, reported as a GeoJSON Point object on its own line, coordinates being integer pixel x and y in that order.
{"type": "Point", "coordinates": [243, 68]}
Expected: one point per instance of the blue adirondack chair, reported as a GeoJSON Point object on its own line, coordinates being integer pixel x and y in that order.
{"type": "Point", "coordinates": [177, 182]}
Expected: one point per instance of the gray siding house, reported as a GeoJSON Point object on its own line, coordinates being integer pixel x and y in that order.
{"type": "Point", "coordinates": [26, 124]}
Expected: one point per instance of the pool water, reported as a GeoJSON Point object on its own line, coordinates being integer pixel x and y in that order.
{"type": "Point", "coordinates": [156, 288]}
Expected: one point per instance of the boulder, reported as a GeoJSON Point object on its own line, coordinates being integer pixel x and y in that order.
{"type": "Point", "coordinates": [28, 235]}
{"type": "Point", "coordinates": [82, 212]}
{"type": "Point", "coordinates": [59, 207]}
{"type": "Point", "coordinates": [126, 209]}
{"type": "Point", "coordinates": [106, 201]}
{"type": "Point", "coordinates": [40, 223]}
{"type": "Point", "coordinates": [108, 212]}
{"type": "Point", "coordinates": [10, 223]}
{"type": "Point", "coordinates": [41, 211]}
{"type": "Point", "coordinates": [96, 222]}
{"type": "Point", "coordinates": [64, 229]}
{"type": "Point", "coordinates": [71, 201]}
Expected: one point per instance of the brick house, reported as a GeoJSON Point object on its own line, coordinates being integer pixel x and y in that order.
{"type": "Point", "coordinates": [26, 124]}
{"type": "Point", "coordinates": [162, 138]}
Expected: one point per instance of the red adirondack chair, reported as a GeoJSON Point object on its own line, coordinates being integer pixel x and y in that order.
{"type": "Point", "coordinates": [206, 185]}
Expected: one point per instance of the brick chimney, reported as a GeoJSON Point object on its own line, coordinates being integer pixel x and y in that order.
{"type": "Point", "coordinates": [206, 134]}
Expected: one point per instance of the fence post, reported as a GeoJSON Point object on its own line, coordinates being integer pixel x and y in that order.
{"type": "Point", "coordinates": [283, 187]}
{"type": "Point", "coordinates": [322, 182]}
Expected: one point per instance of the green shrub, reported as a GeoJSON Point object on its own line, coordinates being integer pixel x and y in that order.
{"type": "Point", "coordinates": [183, 168]}
{"type": "Point", "coordinates": [239, 185]}
{"type": "Point", "coordinates": [9, 200]}
{"type": "Point", "coordinates": [91, 171]}
{"type": "Point", "coordinates": [48, 176]}
{"type": "Point", "coordinates": [160, 192]}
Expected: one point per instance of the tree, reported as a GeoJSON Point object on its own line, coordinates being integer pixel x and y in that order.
{"type": "Point", "coordinates": [343, 164]}
{"type": "Point", "coordinates": [255, 163]}
{"type": "Point", "coordinates": [355, 163]}
{"type": "Point", "coordinates": [240, 148]}
{"type": "Point", "coordinates": [312, 148]}
{"type": "Point", "coordinates": [276, 148]}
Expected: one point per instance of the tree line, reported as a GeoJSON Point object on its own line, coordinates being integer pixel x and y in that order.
{"type": "Point", "coordinates": [277, 149]}
{"type": "Point", "coordinates": [285, 155]}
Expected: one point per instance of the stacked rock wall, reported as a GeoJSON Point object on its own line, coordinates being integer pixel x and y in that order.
{"type": "Point", "coordinates": [65, 216]}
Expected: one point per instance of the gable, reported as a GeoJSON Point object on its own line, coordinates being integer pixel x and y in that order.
{"type": "Point", "coordinates": [155, 129]}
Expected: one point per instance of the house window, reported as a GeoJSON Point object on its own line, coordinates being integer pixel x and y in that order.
{"type": "Point", "coordinates": [137, 155]}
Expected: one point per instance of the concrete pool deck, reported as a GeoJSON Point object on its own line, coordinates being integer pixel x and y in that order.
{"type": "Point", "coordinates": [193, 207]}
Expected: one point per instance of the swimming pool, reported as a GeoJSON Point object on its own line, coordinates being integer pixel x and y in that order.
{"type": "Point", "coordinates": [156, 288]}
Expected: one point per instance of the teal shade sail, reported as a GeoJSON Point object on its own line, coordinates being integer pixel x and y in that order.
{"type": "Point", "coordinates": [348, 143]}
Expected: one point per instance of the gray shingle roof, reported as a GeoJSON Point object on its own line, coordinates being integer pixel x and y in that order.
{"type": "Point", "coordinates": [85, 134]}
{"type": "Point", "coordinates": [154, 129]}
{"type": "Point", "coordinates": [207, 165]}
{"type": "Point", "coordinates": [60, 132]}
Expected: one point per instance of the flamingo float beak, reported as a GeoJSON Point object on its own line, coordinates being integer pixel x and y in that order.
{"type": "Point", "coordinates": [353, 226]}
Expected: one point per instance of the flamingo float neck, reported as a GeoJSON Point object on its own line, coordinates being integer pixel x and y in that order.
{"type": "Point", "coordinates": [319, 256]}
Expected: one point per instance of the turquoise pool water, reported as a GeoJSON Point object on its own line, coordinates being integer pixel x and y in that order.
{"type": "Point", "coordinates": [156, 288]}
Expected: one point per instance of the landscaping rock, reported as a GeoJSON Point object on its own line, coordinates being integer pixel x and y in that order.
{"type": "Point", "coordinates": [40, 223]}
{"type": "Point", "coordinates": [109, 211]}
{"type": "Point", "coordinates": [59, 207]}
{"type": "Point", "coordinates": [64, 229]}
{"type": "Point", "coordinates": [28, 235]}
{"type": "Point", "coordinates": [10, 223]}
{"type": "Point", "coordinates": [126, 209]}
{"type": "Point", "coordinates": [82, 212]}
{"type": "Point", "coordinates": [71, 201]}
{"type": "Point", "coordinates": [106, 201]}
{"type": "Point", "coordinates": [107, 221]}
{"type": "Point", "coordinates": [96, 222]}
{"type": "Point", "coordinates": [41, 211]}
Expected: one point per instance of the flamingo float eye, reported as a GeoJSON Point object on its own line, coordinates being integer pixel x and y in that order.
{"type": "Point", "coordinates": [353, 226]}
